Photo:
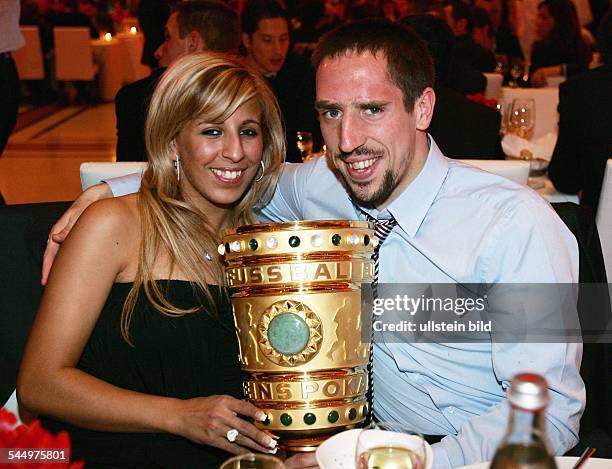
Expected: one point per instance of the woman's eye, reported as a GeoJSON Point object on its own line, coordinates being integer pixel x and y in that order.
{"type": "Point", "coordinates": [211, 132]}
{"type": "Point", "coordinates": [249, 132]}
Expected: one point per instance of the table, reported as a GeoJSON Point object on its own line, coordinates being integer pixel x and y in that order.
{"type": "Point", "coordinates": [551, 194]}
{"type": "Point", "coordinates": [546, 101]}
{"type": "Point", "coordinates": [107, 54]}
{"type": "Point", "coordinates": [563, 462]}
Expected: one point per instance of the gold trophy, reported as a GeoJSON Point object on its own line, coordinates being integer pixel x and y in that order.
{"type": "Point", "coordinates": [304, 342]}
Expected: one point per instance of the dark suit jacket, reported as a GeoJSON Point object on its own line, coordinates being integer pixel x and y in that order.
{"type": "Point", "coordinates": [294, 87]}
{"type": "Point", "coordinates": [585, 135]}
{"type": "Point", "coordinates": [463, 128]}
{"type": "Point", "coordinates": [131, 105]}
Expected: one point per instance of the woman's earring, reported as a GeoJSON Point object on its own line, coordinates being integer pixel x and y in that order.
{"type": "Point", "coordinates": [177, 166]}
{"type": "Point", "coordinates": [263, 171]}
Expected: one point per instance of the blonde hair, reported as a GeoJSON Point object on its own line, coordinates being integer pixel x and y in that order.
{"type": "Point", "coordinates": [210, 87]}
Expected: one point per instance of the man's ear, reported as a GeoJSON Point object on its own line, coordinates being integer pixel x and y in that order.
{"type": "Point", "coordinates": [195, 43]}
{"type": "Point", "coordinates": [246, 41]}
{"type": "Point", "coordinates": [424, 108]}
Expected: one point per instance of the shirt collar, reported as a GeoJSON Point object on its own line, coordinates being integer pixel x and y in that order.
{"type": "Point", "coordinates": [412, 205]}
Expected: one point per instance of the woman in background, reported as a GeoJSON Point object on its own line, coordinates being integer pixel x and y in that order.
{"type": "Point", "coordinates": [133, 350]}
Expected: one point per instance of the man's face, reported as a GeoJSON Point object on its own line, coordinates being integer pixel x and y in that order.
{"type": "Point", "coordinates": [173, 48]}
{"type": "Point", "coordinates": [368, 132]}
{"type": "Point", "coordinates": [268, 46]}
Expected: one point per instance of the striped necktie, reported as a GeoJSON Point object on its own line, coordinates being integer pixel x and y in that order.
{"type": "Point", "coordinates": [382, 229]}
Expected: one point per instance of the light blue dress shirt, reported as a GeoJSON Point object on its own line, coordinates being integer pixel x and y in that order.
{"type": "Point", "coordinates": [456, 223]}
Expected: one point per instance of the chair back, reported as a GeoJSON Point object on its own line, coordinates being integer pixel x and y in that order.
{"type": "Point", "coordinates": [73, 54]}
{"type": "Point", "coordinates": [517, 171]}
{"type": "Point", "coordinates": [604, 217]}
{"type": "Point", "coordinates": [94, 173]}
{"type": "Point", "coordinates": [29, 59]}
{"type": "Point", "coordinates": [494, 84]}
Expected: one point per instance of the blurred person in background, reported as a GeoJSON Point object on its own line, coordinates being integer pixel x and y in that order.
{"type": "Point", "coordinates": [267, 40]}
{"type": "Point", "coordinates": [560, 49]}
{"type": "Point", "coordinates": [482, 29]}
{"type": "Point", "coordinates": [585, 127]}
{"type": "Point", "coordinates": [460, 127]}
{"type": "Point", "coordinates": [152, 16]}
{"type": "Point", "coordinates": [506, 43]}
{"type": "Point", "coordinates": [193, 26]}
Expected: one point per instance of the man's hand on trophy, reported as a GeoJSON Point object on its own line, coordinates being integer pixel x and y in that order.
{"type": "Point", "coordinates": [302, 461]}
{"type": "Point", "coordinates": [62, 227]}
{"type": "Point", "coordinates": [215, 421]}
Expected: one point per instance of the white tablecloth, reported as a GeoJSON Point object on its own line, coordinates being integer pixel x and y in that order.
{"type": "Point", "coordinates": [549, 192]}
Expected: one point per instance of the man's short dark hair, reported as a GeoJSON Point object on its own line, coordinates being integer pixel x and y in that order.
{"type": "Point", "coordinates": [256, 10]}
{"type": "Point", "coordinates": [217, 24]}
{"type": "Point", "coordinates": [409, 64]}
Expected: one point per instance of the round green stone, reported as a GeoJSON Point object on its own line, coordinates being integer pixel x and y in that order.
{"type": "Point", "coordinates": [286, 419]}
{"type": "Point", "coordinates": [309, 418]}
{"type": "Point", "coordinates": [366, 240]}
{"type": "Point", "coordinates": [336, 239]}
{"type": "Point", "coordinates": [333, 416]}
{"type": "Point", "coordinates": [352, 414]}
{"type": "Point", "coordinates": [364, 411]}
{"type": "Point", "coordinates": [267, 420]}
{"type": "Point", "coordinates": [294, 241]}
{"type": "Point", "coordinates": [288, 333]}
{"type": "Point", "coordinates": [253, 245]}
{"type": "Point", "coordinates": [227, 247]}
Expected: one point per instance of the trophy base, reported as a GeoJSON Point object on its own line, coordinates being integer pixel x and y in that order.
{"type": "Point", "coordinates": [309, 443]}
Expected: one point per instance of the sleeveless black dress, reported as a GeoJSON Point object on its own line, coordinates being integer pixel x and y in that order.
{"type": "Point", "coordinates": [183, 357]}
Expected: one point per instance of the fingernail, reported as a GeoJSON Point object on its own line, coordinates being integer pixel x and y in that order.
{"type": "Point", "coordinates": [271, 443]}
{"type": "Point", "coordinates": [261, 416]}
{"type": "Point", "coordinates": [272, 451]}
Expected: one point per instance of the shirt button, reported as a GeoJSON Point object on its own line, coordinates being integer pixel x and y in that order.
{"type": "Point", "coordinates": [451, 409]}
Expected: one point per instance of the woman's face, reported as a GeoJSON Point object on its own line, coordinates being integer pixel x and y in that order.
{"type": "Point", "coordinates": [545, 23]}
{"type": "Point", "coordinates": [220, 160]}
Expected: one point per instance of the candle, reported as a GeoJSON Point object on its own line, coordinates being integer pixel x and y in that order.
{"type": "Point", "coordinates": [133, 30]}
{"type": "Point", "coordinates": [108, 37]}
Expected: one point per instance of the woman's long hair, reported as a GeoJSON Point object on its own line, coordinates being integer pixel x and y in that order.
{"type": "Point", "coordinates": [209, 87]}
{"type": "Point", "coordinates": [566, 31]}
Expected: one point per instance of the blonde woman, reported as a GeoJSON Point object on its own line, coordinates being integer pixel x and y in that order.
{"type": "Point", "coordinates": [133, 349]}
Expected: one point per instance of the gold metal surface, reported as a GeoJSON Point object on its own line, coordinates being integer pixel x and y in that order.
{"type": "Point", "coordinates": [296, 294]}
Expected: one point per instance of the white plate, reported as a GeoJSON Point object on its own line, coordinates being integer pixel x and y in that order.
{"type": "Point", "coordinates": [338, 452]}
{"type": "Point", "coordinates": [563, 462]}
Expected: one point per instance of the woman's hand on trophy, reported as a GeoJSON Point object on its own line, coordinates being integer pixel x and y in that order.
{"type": "Point", "coordinates": [216, 421]}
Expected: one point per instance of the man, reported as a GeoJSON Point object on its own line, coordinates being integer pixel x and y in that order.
{"type": "Point", "coordinates": [193, 26]}
{"type": "Point", "coordinates": [460, 127]}
{"type": "Point", "coordinates": [266, 38]}
{"type": "Point", "coordinates": [585, 141]}
{"type": "Point", "coordinates": [447, 222]}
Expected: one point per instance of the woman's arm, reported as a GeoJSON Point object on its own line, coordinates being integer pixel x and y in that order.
{"type": "Point", "coordinates": [100, 247]}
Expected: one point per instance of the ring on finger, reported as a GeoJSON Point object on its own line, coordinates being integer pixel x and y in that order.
{"type": "Point", "coordinates": [232, 434]}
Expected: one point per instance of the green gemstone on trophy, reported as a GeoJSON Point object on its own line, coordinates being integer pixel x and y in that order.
{"type": "Point", "coordinates": [333, 416]}
{"type": "Point", "coordinates": [364, 411]}
{"type": "Point", "coordinates": [288, 334]}
{"type": "Point", "coordinates": [352, 414]}
{"type": "Point", "coordinates": [310, 418]}
{"type": "Point", "coordinates": [336, 239]}
{"type": "Point", "coordinates": [253, 245]}
{"type": "Point", "coordinates": [366, 240]}
{"type": "Point", "coordinates": [294, 241]}
{"type": "Point", "coordinates": [286, 419]}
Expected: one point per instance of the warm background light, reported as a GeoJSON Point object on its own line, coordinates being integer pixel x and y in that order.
{"type": "Point", "coordinates": [108, 37]}
{"type": "Point", "coordinates": [133, 30]}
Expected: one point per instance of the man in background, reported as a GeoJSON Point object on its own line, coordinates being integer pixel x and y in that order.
{"type": "Point", "coordinates": [193, 26]}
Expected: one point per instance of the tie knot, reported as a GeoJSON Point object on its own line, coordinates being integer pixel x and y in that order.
{"type": "Point", "coordinates": [382, 228]}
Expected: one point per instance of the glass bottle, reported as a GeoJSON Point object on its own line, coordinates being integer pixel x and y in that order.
{"type": "Point", "coordinates": [524, 445]}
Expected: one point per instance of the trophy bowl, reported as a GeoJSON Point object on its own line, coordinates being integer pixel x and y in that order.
{"type": "Point", "coordinates": [304, 337]}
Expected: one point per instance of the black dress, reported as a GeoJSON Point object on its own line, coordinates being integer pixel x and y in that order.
{"type": "Point", "coordinates": [184, 357]}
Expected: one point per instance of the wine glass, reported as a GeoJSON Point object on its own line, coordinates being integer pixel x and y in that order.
{"type": "Point", "coordinates": [253, 461]}
{"type": "Point", "coordinates": [517, 68]}
{"type": "Point", "coordinates": [390, 445]}
{"type": "Point", "coordinates": [304, 144]}
{"type": "Point", "coordinates": [504, 107]}
{"type": "Point", "coordinates": [522, 118]}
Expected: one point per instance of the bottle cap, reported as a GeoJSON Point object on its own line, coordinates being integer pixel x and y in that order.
{"type": "Point", "coordinates": [528, 391]}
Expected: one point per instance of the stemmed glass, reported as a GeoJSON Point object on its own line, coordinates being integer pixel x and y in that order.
{"type": "Point", "coordinates": [390, 445]}
{"type": "Point", "coordinates": [304, 144]}
{"type": "Point", "coordinates": [504, 107]}
{"type": "Point", "coordinates": [522, 118]}
{"type": "Point", "coordinates": [253, 461]}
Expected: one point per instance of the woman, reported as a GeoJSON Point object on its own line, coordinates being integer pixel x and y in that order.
{"type": "Point", "coordinates": [560, 49]}
{"type": "Point", "coordinates": [133, 349]}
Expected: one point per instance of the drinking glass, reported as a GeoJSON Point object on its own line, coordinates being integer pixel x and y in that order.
{"type": "Point", "coordinates": [253, 461]}
{"type": "Point", "coordinates": [304, 144]}
{"type": "Point", "coordinates": [504, 108]}
{"type": "Point", "coordinates": [522, 118]}
{"type": "Point", "coordinates": [390, 445]}
{"type": "Point", "coordinates": [517, 69]}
